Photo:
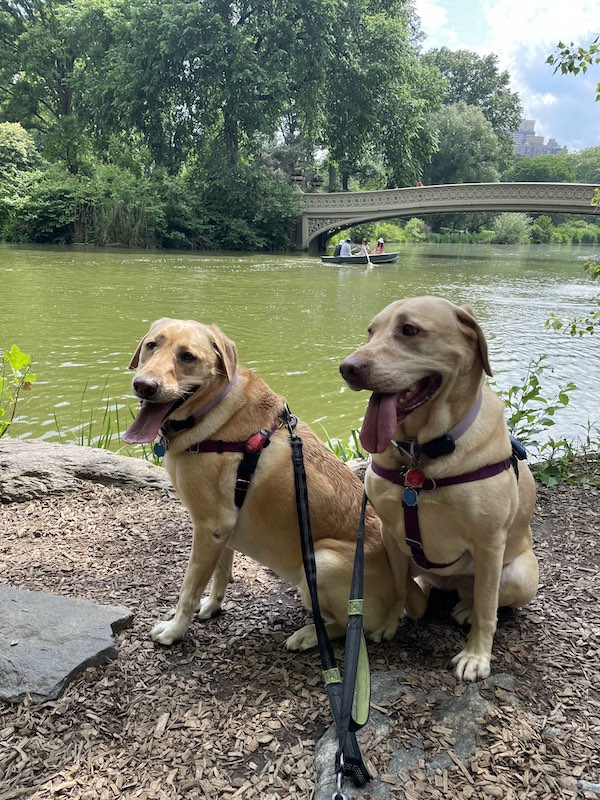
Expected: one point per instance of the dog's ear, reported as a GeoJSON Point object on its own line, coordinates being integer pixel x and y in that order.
{"type": "Point", "coordinates": [466, 317]}
{"type": "Point", "coordinates": [225, 349]}
{"type": "Point", "coordinates": [135, 359]}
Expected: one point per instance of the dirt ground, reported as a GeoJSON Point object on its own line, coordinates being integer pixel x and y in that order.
{"type": "Point", "coordinates": [228, 713]}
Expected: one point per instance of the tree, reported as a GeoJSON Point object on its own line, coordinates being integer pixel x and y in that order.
{"type": "Point", "coordinates": [378, 95]}
{"type": "Point", "coordinates": [511, 228]}
{"type": "Point", "coordinates": [469, 150]}
{"type": "Point", "coordinates": [197, 77]}
{"type": "Point", "coordinates": [477, 81]}
{"type": "Point", "coordinates": [556, 168]}
{"type": "Point", "coordinates": [586, 165]}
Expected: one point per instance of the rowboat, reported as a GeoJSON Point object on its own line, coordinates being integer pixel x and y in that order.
{"type": "Point", "coordinates": [382, 258]}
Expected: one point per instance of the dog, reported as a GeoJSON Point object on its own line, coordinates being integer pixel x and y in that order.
{"type": "Point", "coordinates": [429, 421]}
{"type": "Point", "coordinates": [194, 391]}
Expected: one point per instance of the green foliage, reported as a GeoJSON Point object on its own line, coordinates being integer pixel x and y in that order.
{"type": "Point", "coordinates": [573, 59]}
{"type": "Point", "coordinates": [15, 377]}
{"type": "Point", "coordinates": [469, 149]}
{"type": "Point", "coordinates": [414, 230]}
{"type": "Point", "coordinates": [347, 450]}
{"type": "Point", "coordinates": [511, 228]}
{"type": "Point", "coordinates": [246, 210]}
{"type": "Point", "coordinates": [18, 154]}
{"type": "Point", "coordinates": [556, 168]}
{"type": "Point", "coordinates": [531, 415]}
{"type": "Point", "coordinates": [477, 81]}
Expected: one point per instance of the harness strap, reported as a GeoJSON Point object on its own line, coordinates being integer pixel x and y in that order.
{"type": "Point", "coordinates": [349, 760]}
{"type": "Point", "coordinates": [251, 448]}
{"type": "Point", "coordinates": [406, 478]}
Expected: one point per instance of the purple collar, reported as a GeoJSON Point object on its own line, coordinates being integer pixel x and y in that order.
{"type": "Point", "coordinates": [443, 445]}
{"type": "Point", "coordinates": [189, 422]}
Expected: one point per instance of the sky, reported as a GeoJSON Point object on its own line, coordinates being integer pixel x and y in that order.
{"type": "Point", "coordinates": [523, 33]}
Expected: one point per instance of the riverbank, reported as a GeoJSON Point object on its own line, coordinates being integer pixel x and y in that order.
{"type": "Point", "coordinates": [228, 713]}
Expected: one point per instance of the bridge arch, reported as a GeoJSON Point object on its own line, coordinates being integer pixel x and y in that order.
{"type": "Point", "coordinates": [325, 214]}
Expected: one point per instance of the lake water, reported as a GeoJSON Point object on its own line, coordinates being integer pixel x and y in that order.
{"type": "Point", "coordinates": [79, 312]}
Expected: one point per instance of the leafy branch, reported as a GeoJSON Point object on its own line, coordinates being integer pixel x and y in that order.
{"type": "Point", "coordinates": [573, 59]}
{"type": "Point", "coordinates": [15, 377]}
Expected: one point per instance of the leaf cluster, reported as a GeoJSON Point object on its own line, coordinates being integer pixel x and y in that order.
{"type": "Point", "coordinates": [15, 377]}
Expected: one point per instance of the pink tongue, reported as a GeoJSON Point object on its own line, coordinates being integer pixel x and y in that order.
{"type": "Point", "coordinates": [146, 425]}
{"type": "Point", "coordinates": [379, 423]}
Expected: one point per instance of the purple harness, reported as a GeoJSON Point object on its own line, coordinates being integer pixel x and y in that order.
{"type": "Point", "coordinates": [413, 480]}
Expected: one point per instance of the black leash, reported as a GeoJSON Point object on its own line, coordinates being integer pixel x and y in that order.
{"type": "Point", "coordinates": [349, 761]}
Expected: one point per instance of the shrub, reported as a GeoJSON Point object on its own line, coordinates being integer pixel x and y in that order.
{"type": "Point", "coordinates": [511, 228]}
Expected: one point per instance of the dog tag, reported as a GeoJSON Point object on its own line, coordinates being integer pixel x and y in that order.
{"type": "Point", "coordinates": [410, 497]}
{"type": "Point", "coordinates": [159, 449]}
{"type": "Point", "coordinates": [414, 478]}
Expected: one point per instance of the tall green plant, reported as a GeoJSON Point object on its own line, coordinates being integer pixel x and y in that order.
{"type": "Point", "coordinates": [15, 377]}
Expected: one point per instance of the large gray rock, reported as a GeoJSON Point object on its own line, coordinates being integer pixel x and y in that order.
{"type": "Point", "coordinates": [30, 468]}
{"type": "Point", "coordinates": [457, 713]}
{"type": "Point", "coordinates": [47, 640]}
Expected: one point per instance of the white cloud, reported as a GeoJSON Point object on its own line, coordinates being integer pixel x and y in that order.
{"type": "Point", "coordinates": [523, 33]}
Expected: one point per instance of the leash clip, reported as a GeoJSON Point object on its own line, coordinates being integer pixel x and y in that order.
{"type": "Point", "coordinates": [338, 793]}
{"type": "Point", "coordinates": [290, 420]}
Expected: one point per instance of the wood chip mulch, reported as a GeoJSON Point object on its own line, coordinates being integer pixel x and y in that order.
{"type": "Point", "coordinates": [228, 713]}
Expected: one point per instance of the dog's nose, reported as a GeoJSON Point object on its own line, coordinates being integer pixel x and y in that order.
{"type": "Point", "coordinates": [145, 387]}
{"type": "Point", "coordinates": [352, 369]}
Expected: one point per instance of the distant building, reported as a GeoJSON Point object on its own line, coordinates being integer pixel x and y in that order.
{"type": "Point", "coordinates": [528, 144]}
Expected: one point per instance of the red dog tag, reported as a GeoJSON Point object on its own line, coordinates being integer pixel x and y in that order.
{"type": "Point", "coordinates": [256, 441]}
{"type": "Point", "coordinates": [414, 478]}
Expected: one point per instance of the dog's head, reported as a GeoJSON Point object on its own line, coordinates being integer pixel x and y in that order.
{"type": "Point", "coordinates": [174, 362]}
{"type": "Point", "coordinates": [419, 349]}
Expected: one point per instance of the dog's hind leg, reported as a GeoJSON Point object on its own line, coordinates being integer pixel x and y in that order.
{"type": "Point", "coordinates": [222, 576]}
{"type": "Point", "coordinates": [519, 581]}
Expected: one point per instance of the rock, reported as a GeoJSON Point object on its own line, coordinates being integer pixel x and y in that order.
{"type": "Point", "coordinates": [457, 713]}
{"type": "Point", "coordinates": [46, 640]}
{"type": "Point", "coordinates": [30, 468]}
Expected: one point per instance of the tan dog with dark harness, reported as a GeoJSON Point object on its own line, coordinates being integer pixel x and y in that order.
{"type": "Point", "coordinates": [230, 462]}
{"type": "Point", "coordinates": [443, 479]}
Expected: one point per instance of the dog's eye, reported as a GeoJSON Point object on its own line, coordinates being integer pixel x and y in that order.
{"type": "Point", "coordinates": [150, 345]}
{"type": "Point", "coordinates": [369, 332]}
{"type": "Point", "coordinates": [188, 357]}
{"type": "Point", "coordinates": [409, 330]}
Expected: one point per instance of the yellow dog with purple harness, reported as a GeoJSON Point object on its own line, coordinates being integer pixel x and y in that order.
{"type": "Point", "coordinates": [455, 503]}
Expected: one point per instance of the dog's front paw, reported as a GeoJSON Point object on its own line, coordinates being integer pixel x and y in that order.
{"type": "Point", "coordinates": [462, 612]}
{"type": "Point", "coordinates": [471, 666]}
{"type": "Point", "coordinates": [168, 631]}
{"type": "Point", "coordinates": [303, 639]}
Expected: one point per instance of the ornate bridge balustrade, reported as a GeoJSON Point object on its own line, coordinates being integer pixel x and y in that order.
{"type": "Point", "coordinates": [326, 214]}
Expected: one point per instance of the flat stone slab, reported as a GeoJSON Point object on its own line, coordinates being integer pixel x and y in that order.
{"type": "Point", "coordinates": [457, 713]}
{"type": "Point", "coordinates": [46, 640]}
{"type": "Point", "coordinates": [30, 468]}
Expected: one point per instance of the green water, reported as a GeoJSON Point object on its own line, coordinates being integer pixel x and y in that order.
{"type": "Point", "coordinates": [81, 312]}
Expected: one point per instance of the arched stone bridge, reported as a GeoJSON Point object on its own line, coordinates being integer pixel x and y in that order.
{"type": "Point", "coordinates": [326, 214]}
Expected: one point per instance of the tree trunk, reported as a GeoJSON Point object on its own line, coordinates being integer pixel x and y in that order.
{"type": "Point", "coordinates": [332, 177]}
